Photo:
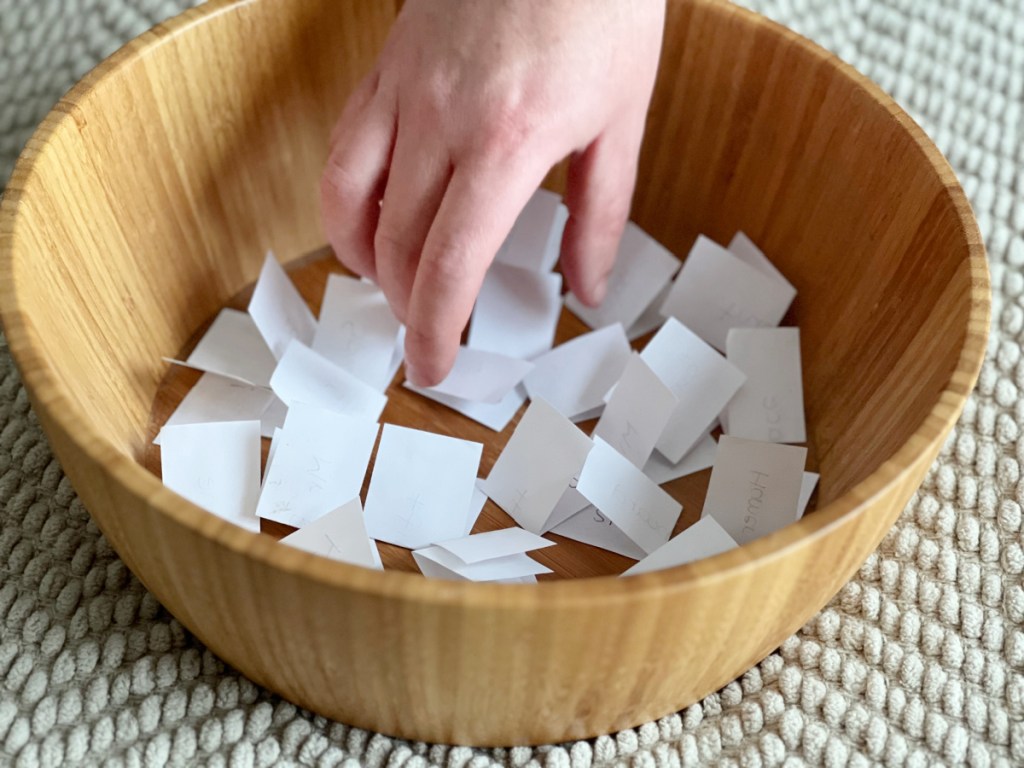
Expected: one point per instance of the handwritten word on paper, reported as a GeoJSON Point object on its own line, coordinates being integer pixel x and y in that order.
{"type": "Point", "coordinates": [338, 535]}
{"type": "Point", "coordinates": [215, 465]}
{"type": "Point", "coordinates": [591, 527]}
{"type": "Point", "coordinates": [701, 379]}
{"type": "Point", "coordinates": [624, 494]}
{"type": "Point", "coordinates": [770, 404]}
{"type": "Point", "coordinates": [755, 487]}
{"type": "Point", "coordinates": [544, 455]}
{"type": "Point", "coordinates": [638, 410]}
{"type": "Point", "coordinates": [643, 267]}
{"type": "Point", "coordinates": [421, 488]}
{"type": "Point", "coordinates": [278, 309]}
{"type": "Point", "coordinates": [715, 291]}
{"type": "Point", "coordinates": [317, 463]}
{"type": "Point", "coordinates": [357, 330]}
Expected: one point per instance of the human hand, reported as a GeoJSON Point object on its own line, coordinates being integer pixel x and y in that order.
{"type": "Point", "coordinates": [440, 147]}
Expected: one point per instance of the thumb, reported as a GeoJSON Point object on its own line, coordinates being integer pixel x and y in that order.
{"type": "Point", "coordinates": [598, 194]}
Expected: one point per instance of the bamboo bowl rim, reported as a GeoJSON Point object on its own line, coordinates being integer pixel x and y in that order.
{"type": "Point", "coordinates": [39, 375]}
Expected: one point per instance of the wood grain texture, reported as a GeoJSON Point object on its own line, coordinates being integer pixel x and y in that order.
{"type": "Point", "coordinates": [147, 198]}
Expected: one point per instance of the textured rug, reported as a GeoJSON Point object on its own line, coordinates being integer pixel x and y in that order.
{"type": "Point", "coordinates": [918, 661]}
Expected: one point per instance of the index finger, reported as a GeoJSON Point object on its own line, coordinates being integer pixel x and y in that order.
{"type": "Point", "coordinates": [477, 212]}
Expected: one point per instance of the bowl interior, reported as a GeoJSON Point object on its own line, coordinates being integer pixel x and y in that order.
{"type": "Point", "coordinates": [168, 175]}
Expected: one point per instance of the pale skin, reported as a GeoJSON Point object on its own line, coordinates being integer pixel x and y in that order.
{"type": "Point", "coordinates": [469, 106]}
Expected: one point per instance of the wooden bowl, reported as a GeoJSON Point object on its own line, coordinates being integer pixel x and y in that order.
{"type": "Point", "coordinates": [149, 195]}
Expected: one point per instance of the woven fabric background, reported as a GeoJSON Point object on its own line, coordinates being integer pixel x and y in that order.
{"type": "Point", "coordinates": [918, 661]}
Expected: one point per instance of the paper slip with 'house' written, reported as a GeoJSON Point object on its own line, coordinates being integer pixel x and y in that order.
{"type": "Point", "coordinates": [215, 465]}
{"type": "Point", "coordinates": [278, 309]}
{"type": "Point", "coordinates": [338, 535]}
{"type": "Point", "coordinates": [317, 463]}
{"type": "Point", "coordinates": [516, 312]}
{"type": "Point", "coordinates": [704, 538]}
{"type": "Point", "coordinates": [542, 458]}
{"type": "Point", "coordinates": [701, 379]}
{"type": "Point", "coordinates": [643, 267]}
{"type": "Point", "coordinates": [630, 499]}
{"type": "Point", "coordinates": [422, 487]}
{"type": "Point", "coordinates": [357, 330]}
{"type": "Point", "coordinates": [638, 410]}
{"type": "Point", "coordinates": [770, 404]}
{"type": "Point", "coordinates": [303, 376]}
{"type": "Point", "coordinates": [217, 398]}
{"type": "Point", "coordinates": [536, 237]}
{"type": "Point", "coordinates": [232, 346]}
{"type": "Point", "coordinates": [482, 377]}
{"type": "Point", "coordinates": [755, 487]}
{"type": "Point", "coordinates": [715, 291]}
{"type": "Point", "coordinates": [574, 377]}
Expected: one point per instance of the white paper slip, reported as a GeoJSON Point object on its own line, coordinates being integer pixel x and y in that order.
{"type": "Point", "coordinates": [273, 417]}
{"type": "Point", "coordinates": [705, 538]}
{"type": "Point", "coordinates": [494, 416]}
{"type": "Point", "coordinates": [574, 376]}
{"type": "Point", "coordinates": [770, 404]}
{"type": "Point", "coordinates": [275, 442]}
{"type": "Point", "coordinates": [745, 250]}
{"type": "Point", "coordinates": [476, 506]}
{"type": "Point", "coordinates": [232, 346]}
{"type": "Point", "coordinates": [698, 458]}
{"type": "Point", "coordinates": [807, 486]}
{"type": "Point", "coordinates": [716, 291]}
{"type": "Point", "coordinates": [701, 379]}
{"type": "Point", "coordinates": [545, 453]}
{"type": "Point", "coordinates": [591, 527]}
{"type": "Point", "coordinates": [357, 330]}
{"type": "Point", "coordinates": [755, 487]}
{"type": "Point", "coordinates": [317, 463]}
{"type": "Point", "coordinates": [516, 312]}
{"type": "Point", "coordinates": [482, 377]}
{"type": "Point", "coordinates": [643, 267]}
{"type": "Point", "coordinates": [651, 319]}
{"type": "Point", "coordinates": [571, 502]}
{"type": "Point", "coordinates": [217, 398]}
{"type": "Point", "coordinates": [215, 465]}
{"type": "Point", "coordinates": [304, 376]}
{"type": "Point", "coordinates": [278, 309]}
{"type": "Point", "coordinates": [438, 563]}
{"type": "Point", "coordinates": [536, 238]}
{"type": "Point", "coordinates": [638, 410]}
{"type": "Point", "coordinates": [494, 544]}
{"type": "Point", "coordinates": [338, 535]}
{"type": "Point", "coordinates": [421, 487]}
{"type": "Point", "coordinates": [630, 499]}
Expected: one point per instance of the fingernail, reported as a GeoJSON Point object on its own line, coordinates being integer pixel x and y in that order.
{"type": "Point", "coordinates": [414, 376]}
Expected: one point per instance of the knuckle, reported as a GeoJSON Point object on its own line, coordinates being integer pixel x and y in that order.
{"type": "Point", "coordinates": [390, 244]}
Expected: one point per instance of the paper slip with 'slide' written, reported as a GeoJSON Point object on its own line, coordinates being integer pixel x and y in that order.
{"type": "Point", "coordinates": [755, 487]}
{"type": "Point", "coordinates": [421, 488]}
{"type": "Point", "coordinates": [770, 404]}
